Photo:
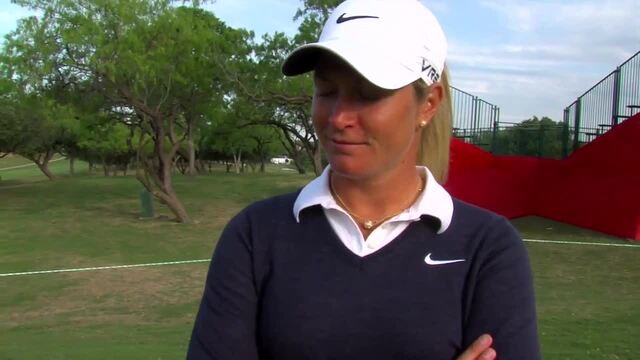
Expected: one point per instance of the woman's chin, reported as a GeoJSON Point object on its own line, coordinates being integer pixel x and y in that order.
{"type": "Point", "coordinates": [351, 168]}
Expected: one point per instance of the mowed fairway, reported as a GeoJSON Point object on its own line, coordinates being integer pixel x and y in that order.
{"type": "Point", "coordinates": [588, 296]}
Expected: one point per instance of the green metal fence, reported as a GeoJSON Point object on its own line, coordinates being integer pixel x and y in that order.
{"type": "Point", "coordinates": [473, 117]}
{"type": "Point", "coordinates": [477, 122]}
{"type": "Point", "coordinates": [609, 102]}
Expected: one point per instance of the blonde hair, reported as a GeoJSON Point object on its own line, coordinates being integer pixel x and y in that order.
{"type": "Point", "coordinates": [436, 136]}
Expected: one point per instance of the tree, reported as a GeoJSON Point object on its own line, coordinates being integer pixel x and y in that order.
{"type": "Point", "coordinates": [532, 137]}
{"type": "Point", "coordinates": [32, 124]}
{"type": "Point", "coordinates": [289, 99]}
{"type": "Point", "coordinates": [266, 143]}
{"type": "Point", "coordinates": [146, 56]}
{"type": "Point", "coordinates": [314, 14]}
{"type": "Point", "coordinates": [230, 136]}
{"type": "Point", "coordinates": [104, 141]}
{"type": "Point", "coordinates": [8, 125]}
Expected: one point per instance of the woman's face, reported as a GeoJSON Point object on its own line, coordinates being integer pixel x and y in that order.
{"type": "Point", "coordinates": [366, 131]}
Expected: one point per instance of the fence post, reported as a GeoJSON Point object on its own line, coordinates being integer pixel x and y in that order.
{"type": "Point", "coordinates": [565, 134]}
{"type": "Point", "coordinates": [494, 135]}
{"type": "Point", "coordinates": [475, 114]}
{"type": "Point", "coordinates": [576, 125]}
{"type": "Point", "coordinates": [616, 96]}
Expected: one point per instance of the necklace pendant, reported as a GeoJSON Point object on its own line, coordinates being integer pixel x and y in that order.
{"type": "Point", "coordinates": [368, 224]}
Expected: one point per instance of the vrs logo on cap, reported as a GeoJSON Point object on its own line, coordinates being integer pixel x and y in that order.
{"type": "Point", "coordinates": [391, 43]}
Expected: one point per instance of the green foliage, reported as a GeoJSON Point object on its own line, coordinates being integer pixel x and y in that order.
{"type": "Point", "coordinates": [157, 66]}
{"type": "Point", "coordinates": [314, 14]}
{"type": "Point", "coordinates": [532, 137]}
{"type": "Point", "coordinates": [150, 56]}
{"type": "Point", "coordinates": [105, 142]}
{"type": "Point", "coordinates": [170, 66]}
{"type": "Point", "coordinates": [32, 124]}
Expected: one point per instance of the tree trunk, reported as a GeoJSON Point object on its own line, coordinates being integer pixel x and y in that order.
{"type": "Point", "coordinates": [158, 170]}
{"type": "Point", "coordinates": [72, 167]}
{"type": "Point", "coordinates": [237, 161]}
{"type": "Point", "coordinates": [170, 198]}
{"type": "Point", "coordinates": [43, 163]}
{"type": "Point", "coordinates": [105, 168]}
{"type": "Point", "coordinates": [45, 170]}
{"type": "Point", "coordinates": [297, 162]}
{"type": "Point", "coordinates": [293, 151]}
{"type": "Point", "coordinates": [200, 166]}
{"type": "Point", "coordinates": [169, 195]}
{"type": "Point", "coordinates": [192, 152]}
{"type": "Point", "coordinates": [44, 167]}
{"type": "Point", "coordinates": [317, 161]}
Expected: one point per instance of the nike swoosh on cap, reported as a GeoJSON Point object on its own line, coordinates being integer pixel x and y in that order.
{"type": "Point", "coordinates": [430, 261]}
{"type": "Point", "coordinates": [344, 18]}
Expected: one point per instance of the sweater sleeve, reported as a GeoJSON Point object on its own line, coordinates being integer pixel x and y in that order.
{"type": "Point", "coordinates": [225, 327]}
{"type": "Point", "coordinates": [501, 301]}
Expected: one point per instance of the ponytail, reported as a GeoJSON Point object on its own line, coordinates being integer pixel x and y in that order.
{"type": "Point", "coordinates": [436, 136]}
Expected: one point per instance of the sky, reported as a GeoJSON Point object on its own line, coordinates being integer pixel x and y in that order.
{"type": "Point", "coordinates": [528, 57]}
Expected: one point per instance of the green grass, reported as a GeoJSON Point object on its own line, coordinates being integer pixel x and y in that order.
{"type": "Point", "coordinates": [545, 229]}
{"type": "Point", "coordinates": [12, 160]}
{"type": "Point", "coordinates": [587, 295]}
{"type": "Point", "coordinates": [28, 172]}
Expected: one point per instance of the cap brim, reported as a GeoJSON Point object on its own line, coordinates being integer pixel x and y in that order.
{"type": "Point", "coordinates": [379, 70]}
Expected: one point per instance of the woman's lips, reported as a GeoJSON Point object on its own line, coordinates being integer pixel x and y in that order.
{"type": "Point", "coordinates": [346, 145]}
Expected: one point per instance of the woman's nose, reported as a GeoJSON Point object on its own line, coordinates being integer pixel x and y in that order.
{"type": "Point", "coordinates": [343, 112]}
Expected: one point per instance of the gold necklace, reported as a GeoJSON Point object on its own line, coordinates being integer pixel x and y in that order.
{"type": "Point", "coordinates": [368, 224]}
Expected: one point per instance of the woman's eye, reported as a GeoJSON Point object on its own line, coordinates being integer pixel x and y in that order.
{"type": "Point", "coordinates": [325, 92]}
{"type": "Point", "coordinates": [372, 94]}
{"type": "Point", "coordinates": [368, 95]}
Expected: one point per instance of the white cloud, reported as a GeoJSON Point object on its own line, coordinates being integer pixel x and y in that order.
{"type": "Point", "coordinates": [520, 17]}
{"type": "Point", "coordinates": [552, 53]}
{"type": "Point", "coordinates": [585, 27]}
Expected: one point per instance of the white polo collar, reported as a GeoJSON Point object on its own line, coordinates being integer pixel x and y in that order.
{"type": "Point", "coordinates": [434, 201]}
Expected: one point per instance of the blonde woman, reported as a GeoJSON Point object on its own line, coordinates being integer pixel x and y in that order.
{"type": "Point", "coordinates": [373, 259]}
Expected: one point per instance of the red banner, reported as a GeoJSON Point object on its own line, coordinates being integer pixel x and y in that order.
{"type": "Point", "coordinates": [597, 187]}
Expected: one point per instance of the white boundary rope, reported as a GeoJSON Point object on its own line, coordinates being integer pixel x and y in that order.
{"type": "Point", "coordinates": [105, 267]}
{"type": "Point", "coordinates": [28, 165]}
{"type": "Point", "coordinates": [580, 243]}
{"type": "Point", "coordinates": [207, 260]}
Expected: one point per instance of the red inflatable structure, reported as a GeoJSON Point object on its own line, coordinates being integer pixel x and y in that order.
{"type": "Point", "coordinates": [597, 187]}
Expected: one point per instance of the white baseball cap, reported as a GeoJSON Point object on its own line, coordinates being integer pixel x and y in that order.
{"type": "Point", "coordinates": [391, 43]}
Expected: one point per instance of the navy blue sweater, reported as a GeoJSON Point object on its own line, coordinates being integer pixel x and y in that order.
{"type": "Point", "coordinates": [278, 289]}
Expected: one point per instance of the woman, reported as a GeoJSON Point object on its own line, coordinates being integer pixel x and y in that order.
{"type": "Point", "coordinates": [373, 259]}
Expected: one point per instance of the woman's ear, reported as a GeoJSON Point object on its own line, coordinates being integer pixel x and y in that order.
{"type": "Point", "coordinates": [430, 104]}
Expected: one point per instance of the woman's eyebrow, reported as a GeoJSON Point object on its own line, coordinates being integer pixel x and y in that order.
{"type": "Point", "coordinates": [318, 75]}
